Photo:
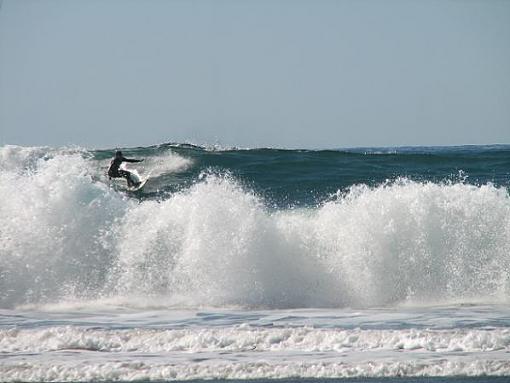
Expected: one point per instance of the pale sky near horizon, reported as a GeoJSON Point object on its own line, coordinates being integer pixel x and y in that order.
{"type": "Point", "coordinates": [309, 74]}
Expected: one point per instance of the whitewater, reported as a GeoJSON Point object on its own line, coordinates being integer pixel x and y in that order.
{"type": "Point", "coordinates": [373, 263]}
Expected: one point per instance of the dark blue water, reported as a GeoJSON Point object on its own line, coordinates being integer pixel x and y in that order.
{"type": "Point", "coordinates": [286, 178]}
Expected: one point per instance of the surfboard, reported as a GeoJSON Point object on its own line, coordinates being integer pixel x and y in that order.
{"type": "Point", "coordinates": [140, 185]}
{"type": "Point", "coordinates": [135, 177]}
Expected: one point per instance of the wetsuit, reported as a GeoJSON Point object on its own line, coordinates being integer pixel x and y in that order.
{"type": "Point", "coordinates": [115, 172]}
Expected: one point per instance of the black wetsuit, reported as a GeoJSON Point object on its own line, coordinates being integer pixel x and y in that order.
{"type": "Point", "coordinates": [115, 172]}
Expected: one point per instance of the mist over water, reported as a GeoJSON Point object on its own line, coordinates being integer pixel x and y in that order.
{"type": "Point", "coordinates": [256, 228]}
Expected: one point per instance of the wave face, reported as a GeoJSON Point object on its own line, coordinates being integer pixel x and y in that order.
{"type": "Point", "coordinates": [256, 228]}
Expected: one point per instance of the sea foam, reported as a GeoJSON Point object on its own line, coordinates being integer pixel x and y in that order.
{"type": "Point", "coordinates": [245, 338]}
{"type": "Point", "coordinates": [143, 370]}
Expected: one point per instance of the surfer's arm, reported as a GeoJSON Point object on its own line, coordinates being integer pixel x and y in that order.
{"type": "Point", "coordinates": [131, 160]}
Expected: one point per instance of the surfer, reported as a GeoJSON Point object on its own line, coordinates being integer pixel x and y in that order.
{"type": "Point", "coordinates": [115, 172]}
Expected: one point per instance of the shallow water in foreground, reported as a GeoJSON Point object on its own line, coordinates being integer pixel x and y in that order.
{"type": "Point", "coordinates": [90, 343]}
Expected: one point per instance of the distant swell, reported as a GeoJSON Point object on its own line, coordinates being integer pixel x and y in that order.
{"type": "Point", "coordinates": [67, 235]}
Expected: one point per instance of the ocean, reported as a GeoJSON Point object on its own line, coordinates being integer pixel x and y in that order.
{"type": "Point", "coordinates": [256, 265]}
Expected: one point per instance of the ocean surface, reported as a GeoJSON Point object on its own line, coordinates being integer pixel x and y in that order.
{"type": "Point", "coordinates": [349, 265]}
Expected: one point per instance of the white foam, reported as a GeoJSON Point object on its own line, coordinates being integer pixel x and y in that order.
{"type": "Point", "coordinates": [405, 242]}
{"type": "Point", "coordinates": [144, 370]}
{"type": "Point", "coordinates": [246, 338]}
{"type": "Point", "coordinates": [72, 353]}
{"type": "Point", "coordinates": [55, 237]}
{"type": "Point", "coordinates": [166, 163]}
{"type": "Point", "coordinates": [20, 159]}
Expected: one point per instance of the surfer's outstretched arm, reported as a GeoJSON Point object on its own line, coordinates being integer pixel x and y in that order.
{"type": "Point", "coordinates": [131, 160]}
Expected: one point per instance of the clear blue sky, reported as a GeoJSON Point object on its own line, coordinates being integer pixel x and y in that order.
{"type": "Point", "coordinates": [315, 74]}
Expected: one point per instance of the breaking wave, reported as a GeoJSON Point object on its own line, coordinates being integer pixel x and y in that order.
{"type": "Point", "coordinates": [68, 234]}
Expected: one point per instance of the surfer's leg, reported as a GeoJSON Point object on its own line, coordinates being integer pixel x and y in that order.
{"type": "Point", "coordinates": [127, 175]}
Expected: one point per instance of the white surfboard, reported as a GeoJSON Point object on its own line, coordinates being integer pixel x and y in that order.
{"type": "Point", "coordinates": [139, 186]}
{"type": "Point", "coordinates": [135, 177]}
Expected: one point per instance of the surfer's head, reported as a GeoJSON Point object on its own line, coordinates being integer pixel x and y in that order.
{"type": "Point", "coordinates": [118, 154]}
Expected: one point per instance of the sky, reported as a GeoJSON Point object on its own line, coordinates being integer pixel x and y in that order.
{"type": "Point", "coordinates": [254, 73]}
